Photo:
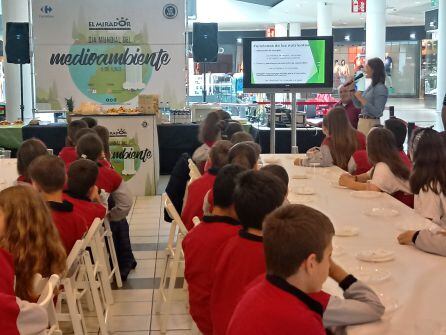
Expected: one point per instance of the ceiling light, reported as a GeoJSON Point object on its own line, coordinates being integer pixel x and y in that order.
{"type": "Point", "coordinates": [347, 37]}
{"type": "Point", "coordinates": [239, 40]}
{"type": "Point", "coordinates": [413, 36]}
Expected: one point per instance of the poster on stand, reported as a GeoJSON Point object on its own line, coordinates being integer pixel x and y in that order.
{"type": "Point", "coordinates": [108, 51]}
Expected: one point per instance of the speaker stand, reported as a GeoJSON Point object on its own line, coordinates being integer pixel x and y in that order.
{"type": "Point", "coordinates": [22, 106]}
{"type": "Point", "coordinates": [204, 82]}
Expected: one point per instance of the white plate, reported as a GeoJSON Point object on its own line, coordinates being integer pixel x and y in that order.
{"type": "Point", "coordinates": [271, 160]}
{"type": "Point", "coordinates": [299, 176]}
{"type": "Point", "coordinates": [376, 255]}
{"type": "Point", "coordinates": [382, 212]}
{"type": "Point", "coordinates": [305, 191]}
{"type": "Point", "coordinates": [366, 194]}
{"type": "Point", "coordinates": [346, 231]}
{"type": "Point", "coordinates": [335, 184]}
{"type": "Point", "coordinates": [371, 275]}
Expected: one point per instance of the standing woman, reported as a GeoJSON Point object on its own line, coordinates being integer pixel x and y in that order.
{"type": "Point", "coordinates": [373, 100]}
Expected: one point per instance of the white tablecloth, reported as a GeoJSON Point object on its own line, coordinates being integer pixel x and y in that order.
{"type": "Point", "coordinates": [418, 279]}
{"type": "Point", "coordinates": [8, 172]}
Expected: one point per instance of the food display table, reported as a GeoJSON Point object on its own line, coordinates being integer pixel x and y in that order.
{"type": "Point", "coordinates": [134, 149]}
{"type": "Point", "coordinates": [53, 135]}
{"type": "Point", "coordinates": [415, 288]}
{"type": "Point", "coordinates": [306, 138]}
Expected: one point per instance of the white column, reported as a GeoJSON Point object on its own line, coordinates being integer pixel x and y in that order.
{"type": "Point", "coordinates": [281, 29]}
{"type": "Point", "coordinates": [295, 29]}
{"type": "Point", "coordinates": [16, 11]}
{"type": "Point", "coordinates": [441, 54]}
{"type": "Point", "coordinates": [324, 19]}
{"type": "Point", "coordinates": [376, 29]}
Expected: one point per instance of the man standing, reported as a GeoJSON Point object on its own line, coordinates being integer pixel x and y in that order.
{"type": "Point", "coordinates": [346, 101]}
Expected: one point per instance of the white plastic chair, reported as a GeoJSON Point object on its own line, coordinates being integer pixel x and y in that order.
{"type": "Point", "coordinates": [114, 271]}
{"type": "Point", "coordinates": [194, 172]}
{"type": "Point", "coordinates": [46, 301]}
{"type": "Point", "coordinates": [174, 259]}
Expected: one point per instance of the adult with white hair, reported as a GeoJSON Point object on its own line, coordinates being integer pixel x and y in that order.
{"type": "Point", "coordinates": [345, 94]}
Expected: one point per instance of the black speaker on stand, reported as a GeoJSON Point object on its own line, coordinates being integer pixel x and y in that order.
{"type": "Point", "coordinates": [18, 51]}
{"type": "Point", "coordinates": [205, 46]}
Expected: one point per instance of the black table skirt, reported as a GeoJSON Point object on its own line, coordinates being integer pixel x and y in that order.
{"type": "Point", "coordinates": [53, 135]}
{"type": "Point", "coordinates": [305, 139]}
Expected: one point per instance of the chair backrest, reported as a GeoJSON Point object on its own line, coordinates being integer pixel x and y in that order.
{"type": "Point", "coordinates": [194, 172]}
{"type": "Point", "coordinates": [170, 208]}
{"type": "Point", "coordinates": [46, 301]}
{"type": "Point", "coordinates": [97, 223]}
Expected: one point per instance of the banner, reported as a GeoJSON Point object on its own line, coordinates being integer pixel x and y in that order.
{"type": "Point", "coordinates": [359, 6]}
{"type": "Point", "coordinates": [109, 51]}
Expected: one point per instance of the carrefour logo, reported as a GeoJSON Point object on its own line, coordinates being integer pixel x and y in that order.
{"type": "Point", "coordinates": [46, 9]}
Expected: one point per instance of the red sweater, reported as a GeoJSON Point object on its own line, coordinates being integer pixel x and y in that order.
{"type": "Point", "coordinates": [363, 165]}
{"type": "Point", "coordinates": [90, 210]}
{"type": "Point", "coordinates": [108, 179]}
{"type": "Point", "coordinates": [273, 306]}
{"type": "Point", "coordinates": [201, 248]}
{"type": "Point", "coordinates": [241, 261]}
{"type": "Point", "coordinates": [352, 113]}
{"type": "Point", "coordinates": [68, 155]}
{"type": "Point", "coordinates": [195, 196]}
{"type": "Point", "coordinates": [70, 223]}
{"type": "Point", "coordinates": [9, 310]}
{"type": "Point", "coordinates": [7, 272]}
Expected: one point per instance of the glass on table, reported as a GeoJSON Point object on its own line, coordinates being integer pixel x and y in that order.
{"type": "Point", "coordinates": [50, 152]}
{"type": "Point", "coordinates": [6, 153]}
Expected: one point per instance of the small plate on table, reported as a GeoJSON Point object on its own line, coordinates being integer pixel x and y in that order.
{"type": "Point", "coordinates": [376, 255]}
{"type": "Point", "coordinates": [271, 160]}
{"type": "Point", "coordinates": [366, 194]}
{"type": "Point", "coordinates": [371, 275]}
{"type": "Point", "coordinates": [306, 190]}
{"type": "Point", "coordinates": [382, 212]}
{"type": "Point", "coordinates": [302, 175]}
{"type": "Point", "coordinates": [347, 231]}
{"type": "Point", "coordinates": [338, 251]}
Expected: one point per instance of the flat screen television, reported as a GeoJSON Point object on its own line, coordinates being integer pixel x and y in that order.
{"type": "Point", "coordinates": [288, 64]}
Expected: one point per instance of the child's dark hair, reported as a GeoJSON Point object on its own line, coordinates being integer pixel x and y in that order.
{"type": "Point", "coordinates": [399, 129]}
{"type": "Point", "coordinates": [90, 121]}
{"type": "Point", "coordinates": [28, 151]}
{"type": "Point", "coordinates": [72, 130]}
{"type": "Point", "coordinates": [219, 153]}
{"type": "Point", "coordinates": [211, 128]}
{"type": "Point", "coordinates": [278, 171]}
{"type": "Point", "coordinates": [104, 136]}
{"type": "Point", "coordinates": [429, 171]}
{"type": "Point", "coordinates": [241, 136]}
{"type": "Point", "coordinates": [83, 132]}
{"type": "Point", "coordinates": [256, 195]}
{"type": "Point", "coordinates": [48, 172]}
{"type": "Point", "coordinates": [224, 185]}
{"type": "Point", "coordinates": [243, 154]}
{"type": "Point", "coordinates": [82, 176]}
{"type": "Point", "coordinates": [89, 147]}
{"type": "Point", "coordinates": [231, 128]}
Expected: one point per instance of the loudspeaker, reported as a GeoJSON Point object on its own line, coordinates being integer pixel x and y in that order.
{"type": "Point", "coordinates": [205, 42]}
{"type": "Point", "coordinates": [17, 43]}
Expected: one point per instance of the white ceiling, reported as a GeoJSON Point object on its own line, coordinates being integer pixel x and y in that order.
{"type": "Point", "coordinates": [236, 15]}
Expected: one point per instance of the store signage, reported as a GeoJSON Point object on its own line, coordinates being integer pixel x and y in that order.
{"type": "Point", "coordinates": [270, 32]}
{"type": "Point", "coordinates": [109, 57]}
{"type": "Point", "coordinates": [359, 6]}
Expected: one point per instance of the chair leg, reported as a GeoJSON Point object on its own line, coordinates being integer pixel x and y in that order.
{"type": "Point", "coordinates": [76, 318]}
{"type": "Point", "coordinates": [112, 250]}
{"type": "Point", "coordinates": [165, 310]}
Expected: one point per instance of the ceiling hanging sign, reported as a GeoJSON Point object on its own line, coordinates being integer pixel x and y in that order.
{"type": "Point", "coordinates": [359, 6]}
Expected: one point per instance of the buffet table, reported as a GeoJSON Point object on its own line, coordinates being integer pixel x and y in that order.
{"type": "Point", "coordinates": [306, 138]}
{"type": "Point", "coordinates": [53, 135]}
{"type": "Point", "coordinates": [414, 293]}
{"type": "Point", "coordinates": [134, 149]}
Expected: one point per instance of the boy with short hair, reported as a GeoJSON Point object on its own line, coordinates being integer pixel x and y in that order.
{"type": "Point", "coordinates": [48, 176]}
{"type": "Point", "coordinates": [202, 243]}
{"type": "Point", "coordinates": [298, 247]}
{"type": "Point", "coordinates": [241, 136]}
{"type": "Point", "coordinates": [68, 153]}
{"type": "Point", "coordinates": [245, 154]}
{"type": "Point", "coordinates": [242, 259]}
{"type": "Point", "coordinates": [197, 190]}
{"type": "Point", "coordinates": [82, 191]}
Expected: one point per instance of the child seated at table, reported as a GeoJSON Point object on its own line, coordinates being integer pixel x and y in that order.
{"type": "Point", "coordinates": [340, 144]}
{"type": "Point", "coordinates": [91, 122]}
{"type": "Point", "coordinates": [68, 153]}
{"type": "Point", "coordinates": [28, 151]}
{"type": "Point", "coordinates": [48, 177]}
{"type": "Point", "coordinates": [389, 173]}
{"type": "Point", "coordinates": [104, 135]}
{"type": "Point", "coordinates": [202, 244]}
{"type": "Point", "coordinates": [82, 191]}
{"type": "Point", "coordinates": [241, 260]}
{"type": "Point", "coordinates": [280, 172]}
{"type": "Point", "coordinates": [197, 190]}
{"type": "Point", "coordinates": [241, 136]}
{"type": "Point", "coordinates": [27, 232]}
{"type": "Point", "coordinates": [18, 316]}
{"type": "Point", "coordinates": [90, 147]}
{"type": "Point", "coordinates": [290, 300]}
{"type": "Point", "coordinates": [399, 129]}
{"type": "Point", "coordinates": [428, 183]}
{"type": "Point", "coordinates": [245, 154]}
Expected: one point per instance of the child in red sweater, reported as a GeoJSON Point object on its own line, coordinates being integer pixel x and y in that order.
{"type": "Point", "coordinates": [82, 191]}
{"type": "Point", "coordinates": [242, 259]}
{"type": "Point", "coordinates": [28, 151]}
{"type": "Point", "coordinates": [68, 153]}
{"type": "Point", "coordinates": [197, 189]}
{"type": "Point", "coordinates": [48, 176]}
{"type": "Point", "coordinates": [202, 244]}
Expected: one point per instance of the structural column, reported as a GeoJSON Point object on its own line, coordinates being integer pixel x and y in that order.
{"type": "Point", "coordinates": [376, 29]}
{"type": "Point", "coordinates": [295, 29]}
{"type": "Point", "coordinates": [324, 19]}
{"type": "Point", "coordinates": [441, 54]}
{"type": "Point", "coordinates": [16, 11]}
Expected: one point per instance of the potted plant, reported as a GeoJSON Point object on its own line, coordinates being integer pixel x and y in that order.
{"type": "Point", "coordinates": [70, 104]}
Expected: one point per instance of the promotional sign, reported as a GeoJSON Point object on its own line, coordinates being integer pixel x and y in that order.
{"type": "Point", "coordinates": [359, 6]}
{"type": "Point", "coordinates": [134, 150]}
{"type": "Point", "coordinates": [108, 51]}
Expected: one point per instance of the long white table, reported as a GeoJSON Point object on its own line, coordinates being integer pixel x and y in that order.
{"type": "Point", "coordinates": [418, 279]}
{"type": "Point", "coordinates": [8, 172]}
